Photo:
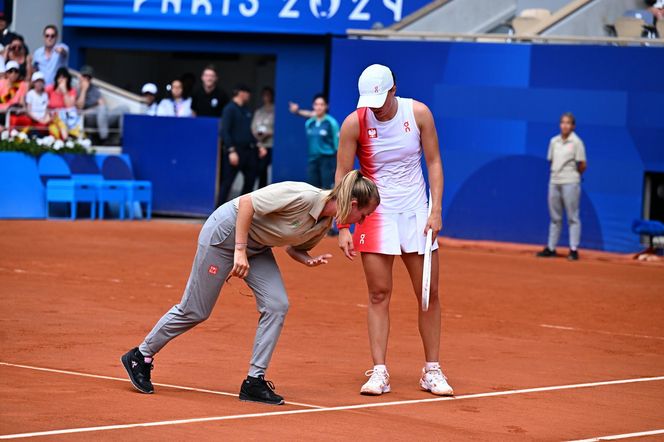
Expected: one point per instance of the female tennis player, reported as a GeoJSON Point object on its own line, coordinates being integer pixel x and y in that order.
{"type": "Point", "coordinates": [388, 134]}
{"type": "Point", "coordinates": [237, 240]}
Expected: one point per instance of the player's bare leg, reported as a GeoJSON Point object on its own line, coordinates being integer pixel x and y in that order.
{"type": "Point", "coordinates": [429, 321]}
{"type": "Point", "coordinates": [432, 379]}
{"type": "Point", "coordinates": [378, 272]}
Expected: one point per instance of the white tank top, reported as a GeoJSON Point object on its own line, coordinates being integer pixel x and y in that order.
{"type": "Point", "coordinates": [390, 154]}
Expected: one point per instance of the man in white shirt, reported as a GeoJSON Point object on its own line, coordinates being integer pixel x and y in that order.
{"type": "Point", "coordinates": [52, 56]}
{"type": "Point", "coordinates": [567, 155]}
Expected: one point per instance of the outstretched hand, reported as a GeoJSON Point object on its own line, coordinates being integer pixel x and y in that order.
{"type": "Point", "coordinates": [318, 260]}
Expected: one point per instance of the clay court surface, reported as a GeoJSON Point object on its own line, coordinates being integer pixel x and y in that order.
{"type": "Point", "coordinates": [535, 349]}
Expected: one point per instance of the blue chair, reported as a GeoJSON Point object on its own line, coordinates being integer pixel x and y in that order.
{"type": "Point", "coordinates": [85, 170]}
{"type": "Point", "coordinates": [56, 174]}
{"type": "Point", "coordinates": [117, 170]}
{"type": "Point", "coordinates": [649, 228]}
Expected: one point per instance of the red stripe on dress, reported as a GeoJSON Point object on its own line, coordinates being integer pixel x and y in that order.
{"type": "Point", "coordinates": [368, 236]}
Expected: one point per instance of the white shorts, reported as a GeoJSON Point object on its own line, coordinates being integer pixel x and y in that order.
{"type": "Point", "coordinates": [392, 233]}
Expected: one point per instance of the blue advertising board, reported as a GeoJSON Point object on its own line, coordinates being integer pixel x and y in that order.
{"type": "Point", "coordinates": [264, 16]}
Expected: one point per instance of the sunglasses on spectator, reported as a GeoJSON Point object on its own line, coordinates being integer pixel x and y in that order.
{"type": "Point", "coordinates": [49, 35]}
{"type": "Point", "coordinates": [12, 70]}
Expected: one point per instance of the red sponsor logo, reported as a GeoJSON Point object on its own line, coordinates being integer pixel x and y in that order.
{"type": "Point", "coordinates": [406, 126]}
{"type": "Point", "coordinates": [213, 270]}
{"type": "Point", "coordinates": [372, 132]}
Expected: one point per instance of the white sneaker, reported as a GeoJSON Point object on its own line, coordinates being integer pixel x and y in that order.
{"type": "Point", "coordinates": [378, 383]}
{"type": "Point", "coordinates": [435, 381]}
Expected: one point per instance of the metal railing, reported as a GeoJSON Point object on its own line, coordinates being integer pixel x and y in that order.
{"type": "Point", "coordinates": [386, 34]}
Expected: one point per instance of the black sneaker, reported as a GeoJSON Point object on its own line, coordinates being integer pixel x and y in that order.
{"type": "Point", "coordinates": [259, 390]}
{"type": "Point", "coordinates": [573, 255]}
{"type": "Point", "coordinates": [546, 253]}
{"type": "Point", "coordinates": [138, 370]}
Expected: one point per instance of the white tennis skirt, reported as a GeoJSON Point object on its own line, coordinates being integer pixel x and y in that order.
{"type": "Point", "coordinates": [392, 233]}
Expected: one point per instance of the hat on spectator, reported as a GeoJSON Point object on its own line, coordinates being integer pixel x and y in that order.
{"type": "Point", "coordinates": [11, 64]}
{"type": "Point", "coordinates": [37, 76]}
{"type": "Point", "coordinates": [374, 84]}
{"type": "Point", "coordinates": [149, 88]}
{"type": "Point", "coordinates": [87, 71]}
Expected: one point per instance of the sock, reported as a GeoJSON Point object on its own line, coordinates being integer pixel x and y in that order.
{"type": "Point", "coordinates": [380, 367]}
{"type": "Point", "coordinates": [428, 366]}
{"type": "Point", "coordinates": [147, 359]}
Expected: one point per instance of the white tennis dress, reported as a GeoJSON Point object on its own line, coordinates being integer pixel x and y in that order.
{"type": "Point", "coordinates": [390, 154]}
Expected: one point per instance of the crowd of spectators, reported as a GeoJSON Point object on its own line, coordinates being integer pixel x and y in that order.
{"type": "Point", "coordinates": [39, 94]}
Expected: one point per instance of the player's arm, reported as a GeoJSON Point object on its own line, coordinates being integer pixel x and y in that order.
{"type": "Point", "coordinates": [348, 136]}
{"type": "Point", "coordinates": [303, 257]}
{"type": "Point", "coordinates": [245, 213]}
{"type": "Point", "coordinates": [429, 138]}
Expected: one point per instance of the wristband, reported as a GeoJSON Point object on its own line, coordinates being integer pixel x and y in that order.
{"type": "Point", "coordinates": [343, 226]}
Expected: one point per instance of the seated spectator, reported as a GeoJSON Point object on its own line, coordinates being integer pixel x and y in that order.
{"type": "Point", "coordinates": [656, 7]}
{"type": "Point", "coordinates": [52, 56]}
{"type": "Point", "coordinates": [208, 100]}
{"type": "Point", "coordinates": [62, 99]}
{"type": "Point", "coordinates": [176, 105]}
{"type": "Point", "coordinates": [12, 88]}
{"type": "Point", "coordinates": [91, 105]}
{"type": "Point", "coordinates": [36, 106]}
{"type": "Point", "coordinates": [18, 52]}
{"type": "Point", "coordinates": [149, 92]}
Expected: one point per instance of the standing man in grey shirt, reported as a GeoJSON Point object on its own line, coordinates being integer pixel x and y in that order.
{"type": "Point", "coordinates": [567, 155]}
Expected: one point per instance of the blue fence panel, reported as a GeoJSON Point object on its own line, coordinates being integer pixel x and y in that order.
{"type": "Point", "coordinates": [179, 156]}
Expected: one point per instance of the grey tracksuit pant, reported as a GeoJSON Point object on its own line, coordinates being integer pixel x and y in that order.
{"type": "Point", "coordinates": [567, 197]}
{"type": "Point", "coordinates": [212, 265]}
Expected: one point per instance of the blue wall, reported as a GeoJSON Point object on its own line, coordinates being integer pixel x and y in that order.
{"type": "Point", "coordinates": [497, 106]}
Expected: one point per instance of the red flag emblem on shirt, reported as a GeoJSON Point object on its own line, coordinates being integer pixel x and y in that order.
{"type": "Point", "coordinates": [213, 270]}
{"type": "Point", "coordinates": [372, 132]}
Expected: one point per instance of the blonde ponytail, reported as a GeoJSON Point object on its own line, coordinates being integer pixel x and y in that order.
{"type": "Point", "coordinates": [353, 186]}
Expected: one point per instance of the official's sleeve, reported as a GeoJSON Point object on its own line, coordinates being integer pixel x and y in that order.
{"type": "Point", "coordinates": [580, 155]}
{"type": "Point", "coordinates": [335, 132]}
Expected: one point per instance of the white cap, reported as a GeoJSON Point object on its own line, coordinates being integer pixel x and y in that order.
{"type": "Point", "coordinates": [374, 84]}
{"type": "Point", "coordinates": [149, 88]}
{"type": "Point", "coordinates": [11, 64]}
{"type": "Point", "coordinates": [37, 76]}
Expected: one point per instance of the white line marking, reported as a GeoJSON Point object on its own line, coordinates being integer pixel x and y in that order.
{"type": "Point", "coordinates": [621, 436]}
{"type": "Point", "coordinates": [326, 409]}
{"type": "Point", "coordinates": [602, 332]}
{"type": "Point", "coordinates": [111, 378]}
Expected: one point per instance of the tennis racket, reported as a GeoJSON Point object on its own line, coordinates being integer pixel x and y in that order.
{"type": "Point", "coordinates": [426, 271]}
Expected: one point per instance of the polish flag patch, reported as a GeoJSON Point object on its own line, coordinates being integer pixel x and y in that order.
{"type": "Point", "coordinates": [372, 132]}
{"type": "Point", "coordinates": [213, 270]}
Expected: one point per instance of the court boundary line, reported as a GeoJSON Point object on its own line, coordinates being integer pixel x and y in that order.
{"type": "Point", "coordinates": [621, 436]}
{"type": "Point", "coordinates": [329, 409]}
{"type": "Point", "coordinates": [112, 378]}
{"type": "Point", "coordinates": [601, 332]}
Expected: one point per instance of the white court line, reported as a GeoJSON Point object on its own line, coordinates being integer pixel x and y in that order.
{"type": "Point", "coordinates": [327, 409]}
{"type": "Point", "coordinates": [621, 436]}
{"type": "Point", "coordinates": [111, 378]}
{"type": "Point", "coordinates": [602, 332]}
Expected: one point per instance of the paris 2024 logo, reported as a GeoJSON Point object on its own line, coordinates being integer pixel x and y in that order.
{"type": "Point", "coordinates": [324, 8]}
